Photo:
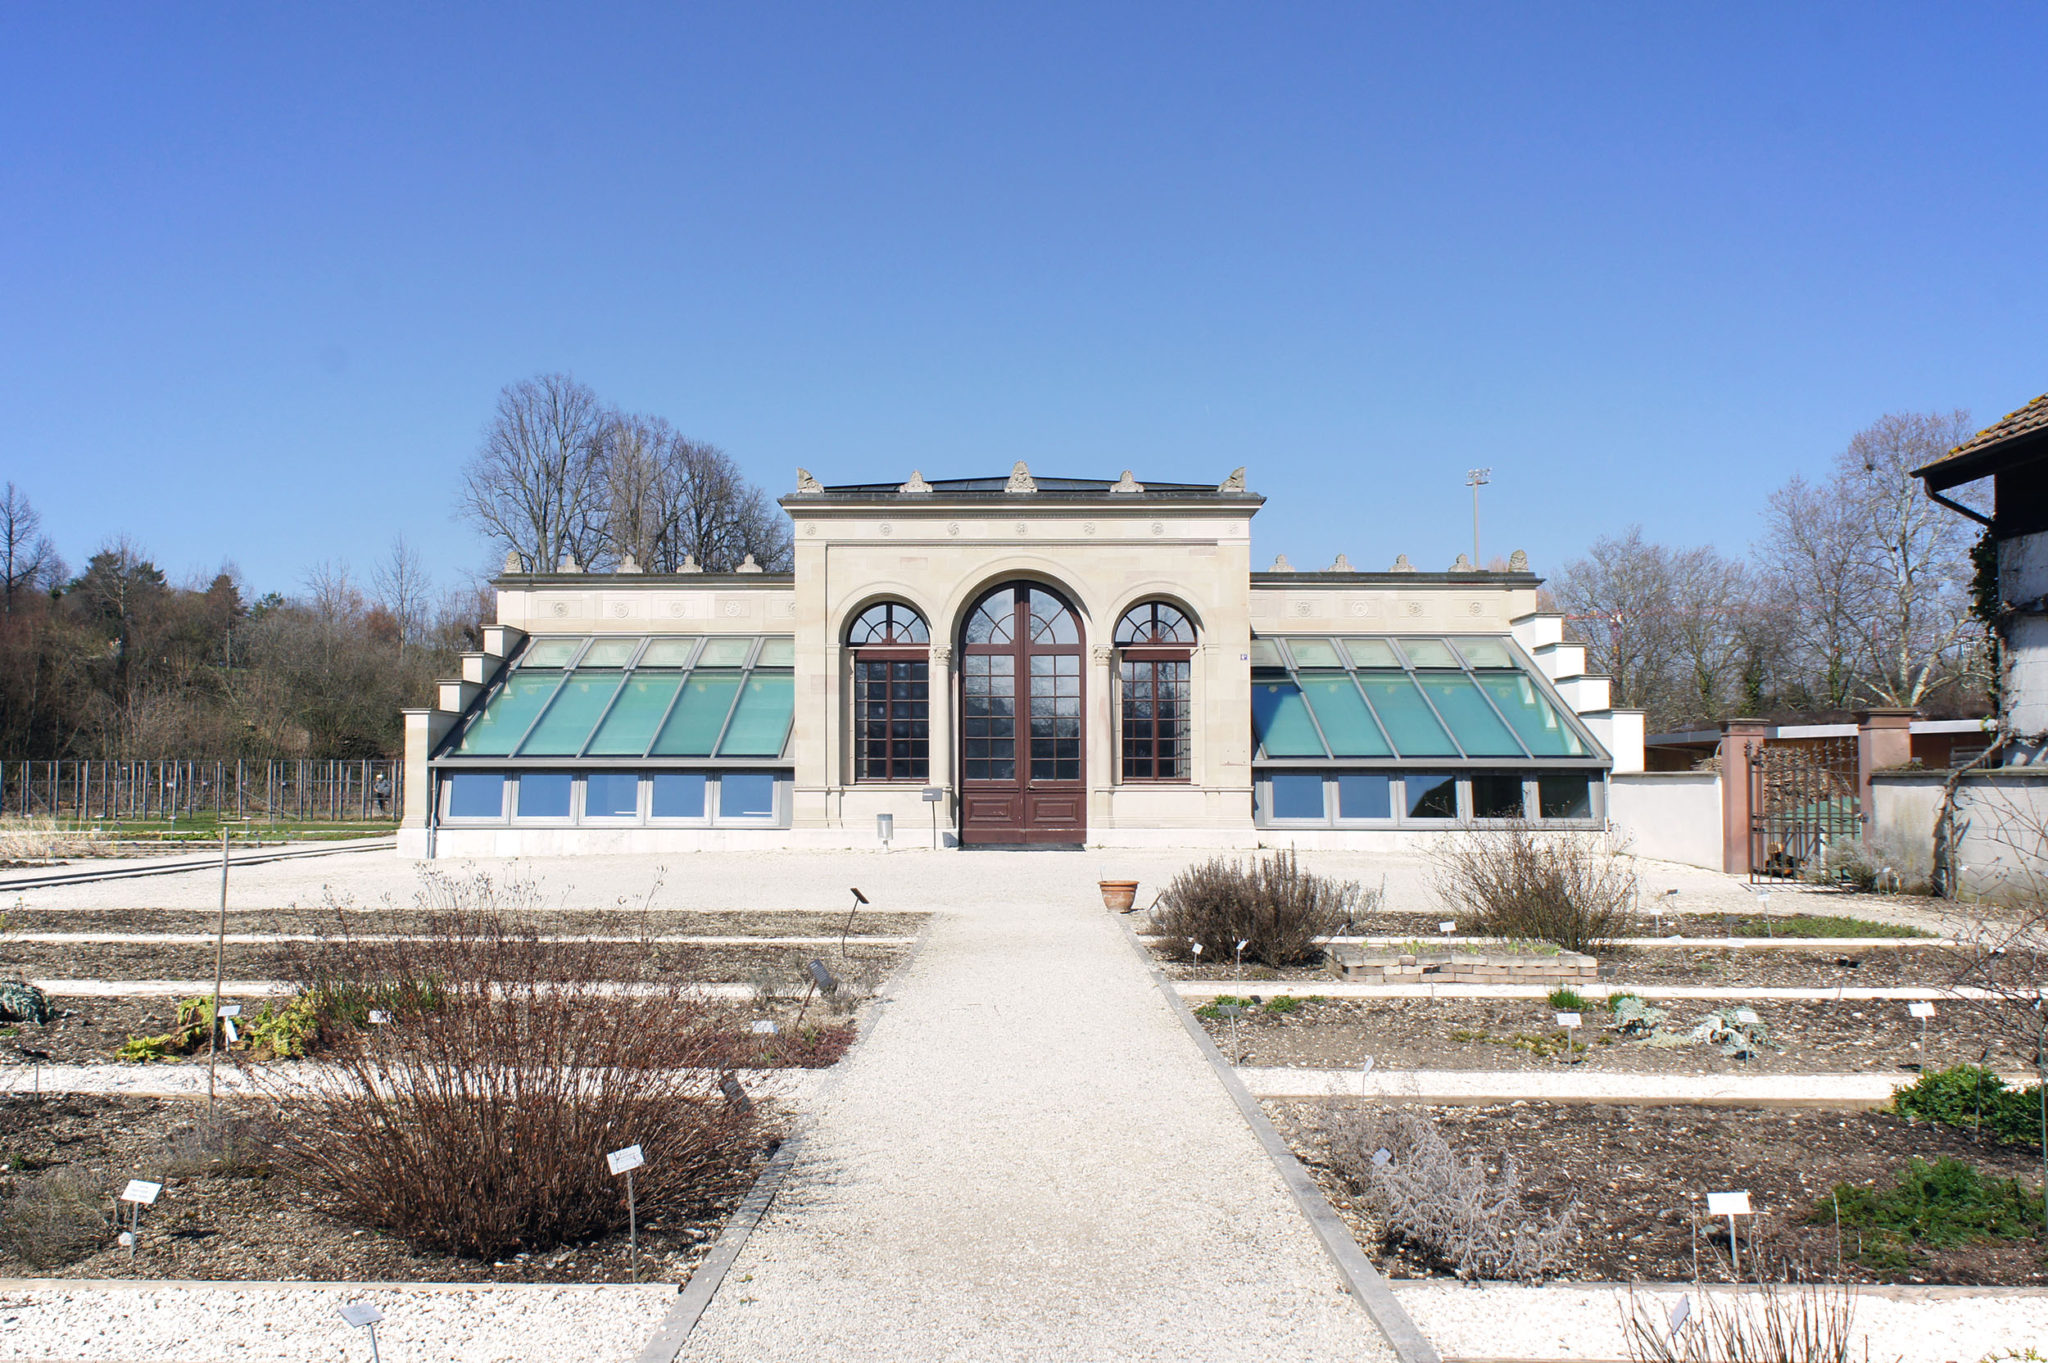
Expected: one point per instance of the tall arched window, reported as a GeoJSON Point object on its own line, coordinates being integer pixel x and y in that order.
{"type": "Point", "coordinates": [891, 694]}
{"type": "Point", "coordinates": [1155, 644]}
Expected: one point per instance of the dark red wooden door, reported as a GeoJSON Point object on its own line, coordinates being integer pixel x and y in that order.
{"type": "Point", "coordinates": [1021, 765]}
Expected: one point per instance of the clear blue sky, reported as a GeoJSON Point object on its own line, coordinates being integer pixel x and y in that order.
{"type": "Point", "coordinates": [263, 269]}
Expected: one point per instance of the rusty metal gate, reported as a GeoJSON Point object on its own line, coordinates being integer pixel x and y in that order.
{"type": "Point", "coordinates": [1803, 800]}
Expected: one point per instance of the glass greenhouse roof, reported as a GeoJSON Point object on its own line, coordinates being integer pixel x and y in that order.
{"type": "Point", "coordinates": [1398, 697]}
{"type": "Point", "coordinates": [729, 696]}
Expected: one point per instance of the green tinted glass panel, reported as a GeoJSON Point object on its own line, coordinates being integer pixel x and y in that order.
{"type": "Point", "coordinates": [1429, 653]}
{"type": "Point", "coordinates": [761, 723]}
{"type": "Point", "coordinates": [1265, 653]}
{"type": "Point", "coordinates": [1371, 653]}
{"type": "Point", "coordinates": [574, 711]}
{"type": "Point", "coordinates": [630, 727]}
{"type": "Point", "coordinates": [609, 653]}
{"type": "Point", "coordinates": [496, 731]}
{"type": "Point", "coordinates": [1280, 721]}
{"type": "Point", "coordinates": [1314, 653]}
{"type": "Point", "coordinates": [1401, 708]}
{"type": "Point", "coordinates": [1532, 714]}
{"type": "Point", "coordinates": [1486, 652]}
{"type": "Point", "coordinates": [668, 653]}
{"type": "Point", "coordinates": [777, 652]}
{"type": "Point", "coordinates": [725, 652]}
{"type": "Point", "coordinates": [549, 652]}
{"type": "Point", "coordinates": [700, 712]}
{"type": "Point", "coordinates": [1347, 724]}
{"type": "Point", "coordinates": [1477, 728]}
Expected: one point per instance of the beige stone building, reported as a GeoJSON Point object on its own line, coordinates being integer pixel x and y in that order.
{"type": "Point", "coordinates": [1011, 661]}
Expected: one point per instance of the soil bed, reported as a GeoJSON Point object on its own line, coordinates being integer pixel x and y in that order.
{"type": "Point", "coordinates": [1819, 1037]}
{"type": "Point", "coordinates": [91, 1030]}
{"type": "Point", "coordinates": [1820, 966]}
{"type": "Point", "coordinates": [1634, 1171]}
{"type": "Point", "coordinates": [611, 921]}
{"type": "Point", "coordinates": [212, 1225]}
{"type": "Point", "coordinates": [182, 961]}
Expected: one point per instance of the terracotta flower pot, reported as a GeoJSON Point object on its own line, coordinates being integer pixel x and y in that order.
{"type": "Point", "coordinates": [1119, 895]}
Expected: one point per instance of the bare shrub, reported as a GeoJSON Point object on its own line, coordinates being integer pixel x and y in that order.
{"type": "Point", "coordinates": [473, 1096]}
{"type": "Point", "coordinates": [1283, 913]}
{"type": "Point", "coordinates": [54, 1218]}
{"type": "Point", "coordinates": [1519, 885]}
{"type": "Point", "coordinates": [221, 1144]}
{"type": "Point", "coordinates": [1762, 1322]}
{"type": "Point", "coordinates": [42, 840]}
{"type": "Point", "coordinates": [1451, 1210]}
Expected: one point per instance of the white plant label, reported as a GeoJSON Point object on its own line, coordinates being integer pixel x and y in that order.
{"type": "Point", "coordinates": [1195, 947]}
{"type": "Point", "coordinates": [1728, 1204]}
{"type": "Point", "coordinates": [379, 1017]}
{"type": "Point", "coordinates": [765, 1027]}
{"type": "Point", "coordinates": [1366, 1067]}
{"type": "Point", "coordinates": [231, 1010]}
{"type": "Point", "coordinates": [1569, 1020]}
{"type": "Point", "coordinates": [1681, 1313]}
{"type": "Point", "coordinates": [227, 1025]}
{"type": "Point", "coordinates": [622, 1160]}
{"type": "Point", "coordinates": [1747, 1017]}
{"type": "Point", "coordinates": [141, 1190]}
{"type": "Point", "coordinates": [1920, 1010]}
{"type": "Point", "coordinates": [1380, 1157]}
{"type": "Point", "coordinates": [361, 1313]}
{"type": "Point", "coordinates": [1449, 925]}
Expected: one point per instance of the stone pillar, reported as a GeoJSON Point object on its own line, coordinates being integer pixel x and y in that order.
{"type": "Point", "coordinates": [1884, 738]}
{"type": "Point", "coordinates": [943, 730]}
{"type": "Point", "coordinates": [1737, 737]}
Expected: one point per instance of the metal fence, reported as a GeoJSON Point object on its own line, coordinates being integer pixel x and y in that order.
{"type": "Point", "coordinates": [277, 790]}
{"type": "Point", "coordinates": [1804, 799]}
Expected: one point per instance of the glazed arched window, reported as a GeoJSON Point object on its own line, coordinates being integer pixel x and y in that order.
{"type": "Point", "coordinates": [891, 647]}
{"type": "Point", "coordinates": [1155, 649]}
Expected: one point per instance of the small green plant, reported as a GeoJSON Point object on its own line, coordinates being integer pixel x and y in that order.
{"type": "Point", "coordinates": [1931, 1206]}
{"type": "Point", "coordinates": [282, 1031]}
{"type": "Point", "coordinates": [142, 1050]}
{"type": "Point", "coordinates": [1213, 1008]}
{"type": "Point", "coordinates": [1970, 1096]}
{"type": "Point", "coordinates": [1614, 1001]}
{"type": "Point", "coordinates": [1282, 1005]}
{"type": "Point", "coordinates": [1567, 1000]}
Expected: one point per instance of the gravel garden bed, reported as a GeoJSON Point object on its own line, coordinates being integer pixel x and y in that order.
{"type": "Point", "coordinates": [216, 1222]}
{"type": "Point", "coordinates": [610, 920]}
{"type": "Point", "coordinates": [1817, 1037]}
{"type": "Point", "coordinates": [1636, 1173]}
{"type": "Point", "coordinates": [1820, 966]}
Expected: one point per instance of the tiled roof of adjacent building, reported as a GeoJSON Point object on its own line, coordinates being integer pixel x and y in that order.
{"type": "Point", "coordinates": [2029, 421]}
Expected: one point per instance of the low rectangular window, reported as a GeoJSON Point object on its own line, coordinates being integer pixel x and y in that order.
{"type": "Point", "coordinates": [746, 795]}
{"type": "Point", "coordinates": [1497, 795]}
{"type": "Point", "coordinates": [1365, 795]}
{"type": "Point", "coordinates": [678, 794]}
{"type": "Point", "coordinates": [1565, 795]}
{"type": "Point", "coordinates": [611, 794]}
{"type": "Point", "coordinates": [1431, 796]}
{"type": "Point", "coordinates": [476, 795]}
{"type": "Point", "coordinates": [1297, 794]}
{"type": "Point", "coordinates": [543, 794]}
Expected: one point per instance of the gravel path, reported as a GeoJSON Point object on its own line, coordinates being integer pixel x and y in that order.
{"type": "Point", "coordinates": [1583, 1321]}
{"type": "Point", "coordinates": [1346, 989]}
{"type": "Point", "coordinates": [1565, 1086]}
{"type": "Point", "coordinates": [1028, 1159]}
{"type": "Point", "coordinates": [252, 1323]}
{"type": "Point", "coordinates": [187, 1079]}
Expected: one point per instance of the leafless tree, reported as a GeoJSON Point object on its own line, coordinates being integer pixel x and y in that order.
{"type": "Point", "coordinates": [537, 484]}
{"type": "Point", "coordinates": [402, 588]}
{"type": "Point", "coordinates": [28, 560]}
{"type": "Point", "coordinates": [671, 499]}
{"type": "Point", "coordinates": [1618, 601]}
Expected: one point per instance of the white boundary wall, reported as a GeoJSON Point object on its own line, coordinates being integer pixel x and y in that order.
{"type": "Point", "coordinates": [1668, 815]}
{"type": "Point", "coordinates": [2001, 816]}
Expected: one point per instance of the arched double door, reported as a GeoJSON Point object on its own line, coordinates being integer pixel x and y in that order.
{"type": "Point", "coordinates": [1022, 752]}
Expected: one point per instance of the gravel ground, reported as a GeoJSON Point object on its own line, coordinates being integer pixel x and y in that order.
{"type": "Point", "coordinates": [1028, 1159]}
{"type": "Point", "coordinates": [256, 1324]}
{"type": "Point", "coordinates": [1502, 1320]}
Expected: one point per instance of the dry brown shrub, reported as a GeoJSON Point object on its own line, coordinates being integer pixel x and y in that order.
{"type": "Point", "coordinates": [1760, 1322]}
{"type": "Point", "coordinates": [1283, 913]}
{"type": "Point", "coordinates": [1516, 884]}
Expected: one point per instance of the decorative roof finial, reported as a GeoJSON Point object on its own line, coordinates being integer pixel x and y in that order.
{"type": "Point", "coordinates": [1342, 565]}
{"type": "Point", "coordinates": [1464, 565]}
{"type": "Point", "coordinates": [1020, 479]}
{"type": "Point", "coordinates": [1234, 483]}
{"type": "Point", "coordinates": [1127, 484]}
{"type": "Point", "coordinates": [629, 564]}
{"type": "Point", "coordinates": [916, 485]}
{"type": "Point", "coordinates": [806, 483]}
{"type": "Point", "coordinates": [568, 563]}
{"type": "Point", "coordinates": [514, 563]}
{"type": "Point", "coordinates": [690, 565]}
{"type": "Point", "coordinates": [747, 565]}
{"type": "Point", "coordinates": [1401, 564]}
{"type": "Point", "coordinates": [1281, 565]}
{"type": "Point", "coordinates": [1518, 562]}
